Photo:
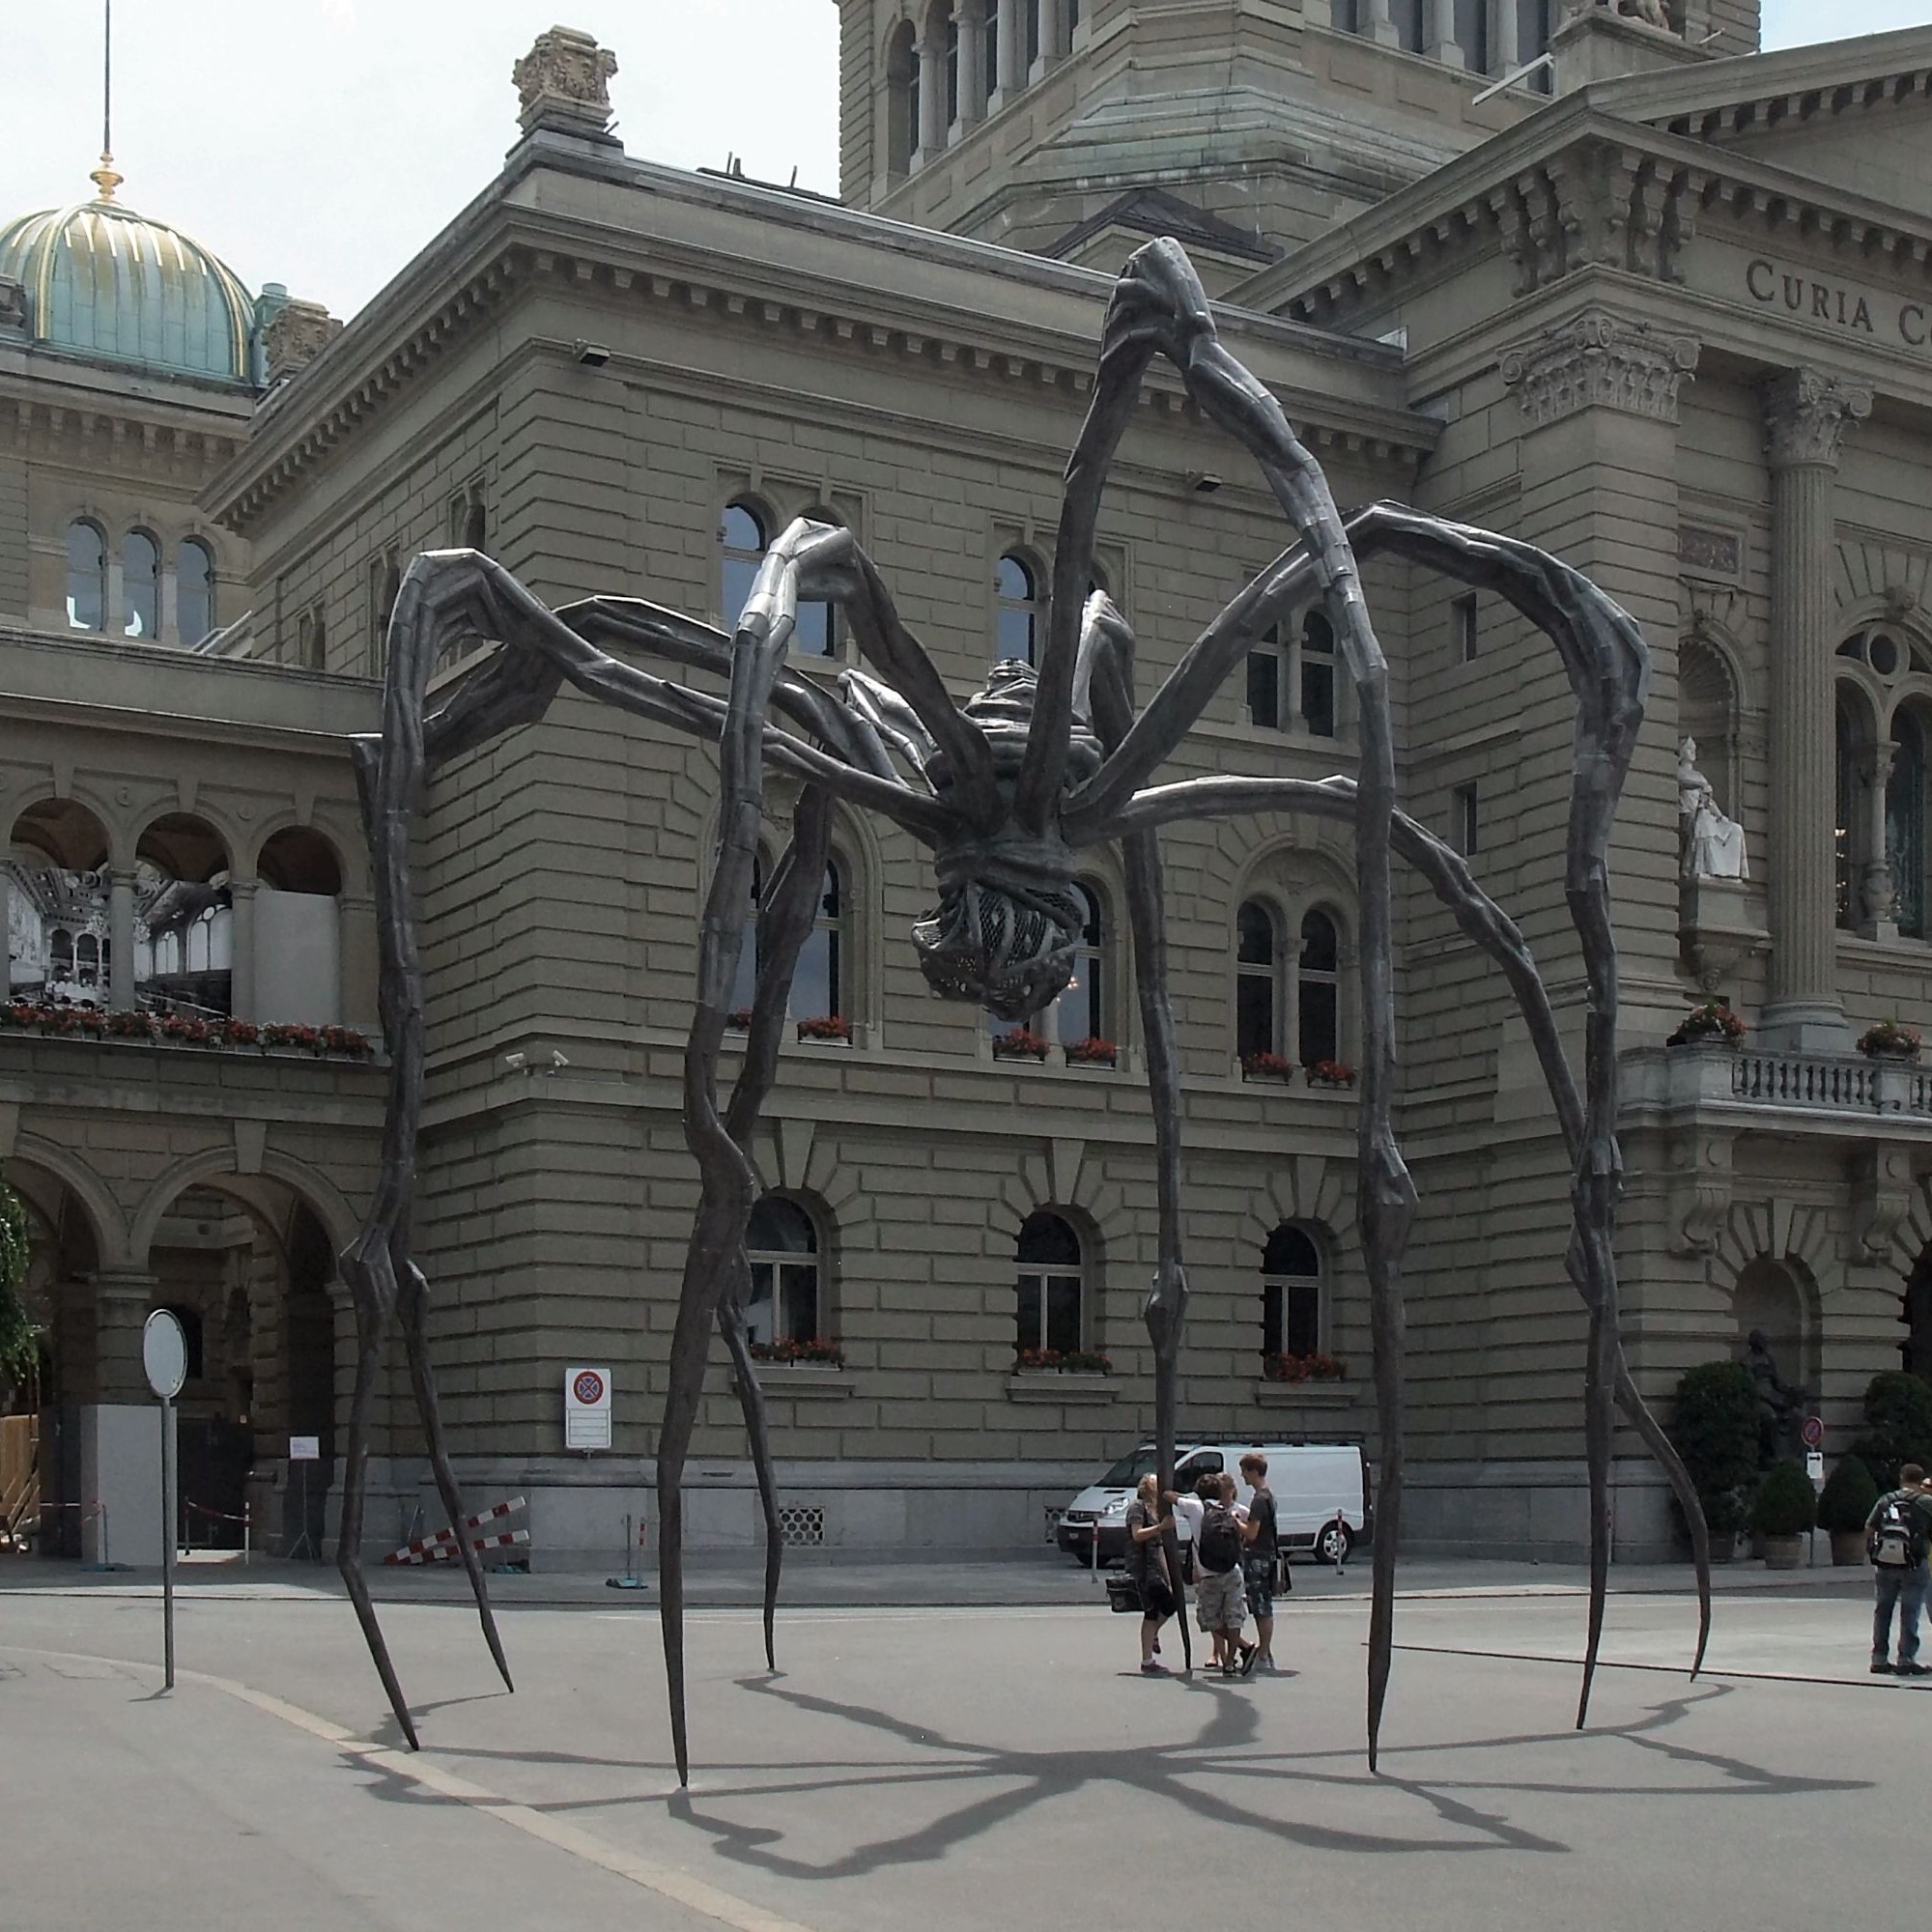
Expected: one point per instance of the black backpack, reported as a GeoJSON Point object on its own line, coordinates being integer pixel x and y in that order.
{"type": "Point", "coordinates": [1220, 1548]}
{"type": "Point", "coordinates": [1897, 1539]}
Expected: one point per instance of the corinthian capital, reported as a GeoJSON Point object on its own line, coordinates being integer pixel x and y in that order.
{"type": "Point", "coordinates": [1806, 416]}
{"type": "Point", "coordinates": [1599, 359]}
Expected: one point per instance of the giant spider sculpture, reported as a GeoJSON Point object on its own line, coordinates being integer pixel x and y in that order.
{"type": "Point", "coordinates": [1005, 790]}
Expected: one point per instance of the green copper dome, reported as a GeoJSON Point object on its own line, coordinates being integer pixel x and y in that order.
{"type": "Point", "coordinates": [105, 283]}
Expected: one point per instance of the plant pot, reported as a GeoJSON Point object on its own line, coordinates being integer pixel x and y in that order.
{"type": "Point", "coordinates": [1723, 1546]}
{"type": "Point", "coordinates": [1848, 1548]}
{"type": "Point", "coordinates": [1784, 1553]}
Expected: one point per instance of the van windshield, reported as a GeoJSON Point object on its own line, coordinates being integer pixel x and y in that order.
{"type": "Point", "coordinates": [1129, 1470]}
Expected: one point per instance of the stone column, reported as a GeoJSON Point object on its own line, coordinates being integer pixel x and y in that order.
{"type": "Point", "coordinates": [121, 1428]}
{"type": "Point", "coordinates": [931, 53]}
{"type": "Point", "coordinates": [1806, 416]}
{"type": "Point", "coordinates": [1505, 57]}
{"type": "Point", "coordinates": [241, 1001]}
{"type": "Point", "coordinates": [1872, 881]}
{"type": "Point", "coordinates": [1442, 44]}
{"type": "Point", "coordinates": [121, 934]}
{"type": "Point", "coordinates": [1377, 25]}
{"type": "Point", "coordinates": [972, 62]}
{"type": "Point", "coordinates": [1013, 48]}
{"type": "Point", "coordinates": [121, 1299]}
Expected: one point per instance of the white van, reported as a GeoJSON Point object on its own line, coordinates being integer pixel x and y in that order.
{"type": "Point", "coordinates": [1320, 1496]}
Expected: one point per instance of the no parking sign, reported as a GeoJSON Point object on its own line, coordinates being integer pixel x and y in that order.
{"type": "Point", "coordinates": [587, 1409]}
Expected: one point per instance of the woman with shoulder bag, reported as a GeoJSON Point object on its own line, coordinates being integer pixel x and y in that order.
{"type": "Point", "coordinates": [1147, 1565]}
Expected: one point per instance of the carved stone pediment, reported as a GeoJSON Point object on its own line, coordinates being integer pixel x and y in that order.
{"type": "Point", "coordinates": [1598, 359]}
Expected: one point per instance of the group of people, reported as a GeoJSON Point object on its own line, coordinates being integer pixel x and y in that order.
{"type": "Point", "coordinates": [1897, 1534]}
{"type": "Point", "coordinates": [1236, 1550]}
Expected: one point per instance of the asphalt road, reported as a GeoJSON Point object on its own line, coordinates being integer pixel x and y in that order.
{"type": "Point", "coordinates": [965, 1767]}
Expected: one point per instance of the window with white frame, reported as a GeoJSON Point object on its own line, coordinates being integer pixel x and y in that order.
{"type": "Point", "coordinates": [742, 540]}
{"type": "Point", "coordinates": [140, 585]}
{"type": "Point", "coordinates": [1294, 665]}
{"type": "Point", "coordinates": [1051, 1286]}
{"type": "Point", "coordinates": [85, 576]}
{"type": "Point", "coordinates": [818, 982]}
{"type": "Point", "coordinates": [787, 1300]}
{"type": "Point", "coordinates": [1317, 989]}
{"type": "Point", "coordinates": [194, 590]}
{"type": "Point", "coordinates": [1290, 1292]}
{"type": "Point", "coordinates": [1081, 1011]}
{"type": "Point", "coordinates": [1256, 977]}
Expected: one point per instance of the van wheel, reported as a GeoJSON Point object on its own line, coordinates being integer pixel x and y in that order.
{"type": "Point", "coordinates": [1334, 1543]}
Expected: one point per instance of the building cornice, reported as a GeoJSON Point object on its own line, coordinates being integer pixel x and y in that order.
{"type": "Point", "coordinates": [503, 246]}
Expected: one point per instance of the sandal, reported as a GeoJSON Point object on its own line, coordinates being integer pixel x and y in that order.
{"type": "Point", "coordinates": [1249, 1652]}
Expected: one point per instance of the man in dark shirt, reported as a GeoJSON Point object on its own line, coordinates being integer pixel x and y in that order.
{"type": "Point", "coordinates": [1260, 1543]}
{"type": "Point", "coordinates": [1899, 1572]}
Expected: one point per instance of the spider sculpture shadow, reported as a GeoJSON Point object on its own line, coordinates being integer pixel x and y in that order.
{"type": "Point", "coordinates": [1005, 790]}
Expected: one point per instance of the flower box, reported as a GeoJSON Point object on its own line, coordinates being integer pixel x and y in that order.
{"type": "Point", "coordinates": [1332, 1073]}
{"type": "Point", "coordinates": [1315, 1367]}
{"type": "Point", "coordinates": [1062, 1361]}
{"type": "Point", "coordinates": [182, 1030]}
{"type": "Point", "coordinates": [1091, 1052]}
{"type": "Point", "coordinates": [1267, 1066]}
{"type": "Point", "coordinates": [1712, 1024]}
{"type": "Point", "coordinates": [1889, 1040]}
{"type": "Point", "coordinates": [819, 1352]}
{"type": "Point", "coordinates": [826, 1025]}
{"type": "Point", "coordinates": [739, 1019]}
{"type": "Point", "coordinates": [1019, 1045]}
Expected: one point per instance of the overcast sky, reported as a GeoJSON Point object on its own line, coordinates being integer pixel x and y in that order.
{"type": "Point", "coordinates": [320, 143]}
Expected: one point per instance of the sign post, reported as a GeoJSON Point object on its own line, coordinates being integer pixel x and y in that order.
{"type": "Point", "coordinates": [165, 1357]}
{"type": "Point", "coordinates": [302, 1451]}
{"type": "Point", "coordinates": [586, 1410]}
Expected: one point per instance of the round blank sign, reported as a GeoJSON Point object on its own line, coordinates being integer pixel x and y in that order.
{"type": "Point", "coordinates": [164, 1354]}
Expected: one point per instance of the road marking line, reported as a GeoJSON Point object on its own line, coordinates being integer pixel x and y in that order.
{"type": "Point", "coordinates": [679, 1886]}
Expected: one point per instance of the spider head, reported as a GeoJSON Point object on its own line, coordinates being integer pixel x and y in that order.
{"type": "Point", "coordinates": [1009, 917]}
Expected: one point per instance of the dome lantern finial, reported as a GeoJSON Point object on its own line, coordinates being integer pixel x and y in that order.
{"type": "Point", "coordinates": [105, 179]}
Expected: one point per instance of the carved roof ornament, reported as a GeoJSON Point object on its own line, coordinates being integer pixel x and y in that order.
{"type": "Point", "coordinates": [295, 334]}
{"type": "Point", "coordinates": [563, 83]}
{"type": "Point", "coordinates": [13, 303]}
{"type": "Point", "coordinates": [1642, 13]}
{"type": "Point", "coordinates": [1598, 360]}
{"type": "Point", "coordinates": [1805, 416]}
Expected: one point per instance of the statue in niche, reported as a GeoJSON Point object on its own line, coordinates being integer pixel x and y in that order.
{"type": "Point", "coordinates": [1713, 845]}
{"type": "Point", "coordinates": [1780, 1407]}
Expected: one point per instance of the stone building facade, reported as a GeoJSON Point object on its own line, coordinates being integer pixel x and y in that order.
{"type": "Point", "coordinates": [1667, 319]}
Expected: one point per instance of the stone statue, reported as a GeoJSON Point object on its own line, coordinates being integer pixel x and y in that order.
{"type": "Point", "coordinates": [1780, 1407]}
{"type": "Point", "coordinates": [1713, 845]}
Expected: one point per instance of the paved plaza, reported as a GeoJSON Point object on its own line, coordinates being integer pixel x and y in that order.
{"type": "Point", "coordinates": [972, 1766]}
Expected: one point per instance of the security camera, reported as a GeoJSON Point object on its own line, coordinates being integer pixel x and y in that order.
{"type": "Point", "coordinates": [514, 1062]}
{"type": "Point", "coordinates": [557, 1062]}
{"type": "Point", "coordinates": [592, 354]}
{"type": "Point", "coordinates": [1204, 482]}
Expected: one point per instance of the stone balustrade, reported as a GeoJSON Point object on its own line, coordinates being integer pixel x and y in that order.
{"type": "Point", "coordinates": [1821, 1090]}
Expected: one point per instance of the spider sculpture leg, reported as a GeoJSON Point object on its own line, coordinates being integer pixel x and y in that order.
{"type": "Point", "coordinates": [784, 923]}
{"type": "Point", "coordinates": [1107, 674]}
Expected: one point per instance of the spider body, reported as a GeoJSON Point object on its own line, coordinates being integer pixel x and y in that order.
{"type": "Point", "coordinates": [1005, 787]}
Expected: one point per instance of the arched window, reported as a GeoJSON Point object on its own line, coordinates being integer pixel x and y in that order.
{"type": "Point", "coordinates": [86, 578]}
{"type": "Point", "coordinates": [1050, 1285]}
{"type": "Point", "coordinates": [1264, 681]}
{"type": "Point", "coordinates": [816, 632]}
{"type": "Point", "coordinates": [745, 987]}
{"type": "Point", "coordinates": [1016, 588]}
{"type": "Point", "coordinates": [742, 538]}
{"type": "Point", "coordinates": [1317, 989]}
{"type": "Point", "coordinates": [140, 585]}
{"type": "Point", "coordinates": [1318, 674]}
{"type": "Point", "coordinates": [1905, 823]}
{"type": "Point", "coordinates": [1257, 972]}
{"type": "Point", "coordinates": [312, 639]}
{"type": "Point", "coordinates": [87, 959]}
{"type": "Point", "coordinates": [1081, 1011]}
{"type": "Point", "coordinates": [194, 591]}
{"type": "Point", "coordinates": [1290, 1294]}
{"type": "Point", "coordinates": [785, 1302]}
{"type": "Point", "coordinates": [901, 100]}
{"type": "Point", "coordinates": [1845, 815]}
{"type": "Point", "coordinates": [60, 954]}
{"type": "Point", "coordinates": [818, 985]}
{"type": "Point", "coordinates": [469, 521]}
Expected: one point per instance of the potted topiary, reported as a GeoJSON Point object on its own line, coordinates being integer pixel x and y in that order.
{"type": "Point", "coordinates": [1848, 1498]}
{"type": "Point", "coordinates": [1784, 1512]}
{"type": "Point", "coordinates": [1716, 1431]}
{"type": "Point", "coordinates": [1898, 1426]}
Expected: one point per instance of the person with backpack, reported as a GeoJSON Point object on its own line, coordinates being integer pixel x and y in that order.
{"type": "Point", "coordinates": [1896, 1537]}
{"type": "Point", "coordinates": [1220, 1594]}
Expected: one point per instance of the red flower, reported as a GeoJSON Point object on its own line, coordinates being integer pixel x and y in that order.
{"type": "Point", "coordinates": [826, 1025]}
{"type": "Point", "coordinates": [1018, 1044]}
{"type": "Point", "coordinates": [1266, 1066]}
{"type": "Point", "coordinates": [1090, 1051]}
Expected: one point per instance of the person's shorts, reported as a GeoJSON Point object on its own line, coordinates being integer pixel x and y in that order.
{"type": "Point", "coordinates": [1258, 1585]}
{"type": "Point", "coordinates": [1219, 1601]}
{"type": "Point", "coordinates": [1156, 1598]}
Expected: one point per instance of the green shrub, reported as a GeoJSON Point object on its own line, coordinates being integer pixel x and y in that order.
{"type": "Point", "coordinates": [16, 1332]}
{"type": "Point", "coordinates": [1785, 1503]}
{"type": "Point", "coordinates": [1716, 1433]}
{"type": "Point", "coordinates": [1848, 1496]}
{"type": "Point", "coordinates": [1898, 1426]}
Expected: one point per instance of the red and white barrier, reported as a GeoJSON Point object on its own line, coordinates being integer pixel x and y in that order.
{"type": "Point", "coordinates": [445, 1540]}
{"type": "Point", "coordinates": [445, 1553]}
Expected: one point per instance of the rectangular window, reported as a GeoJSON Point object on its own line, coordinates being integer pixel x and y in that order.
{"type": "Point", "coordinates": [1264, 688]}
{"type": "Point", "coordinates": [1463, 623]}
{"type": "Point", "coordinates": [1318, 695]}
{"type": "Point", "coordinates": [1465, 821]}
{"type": "Point", "coordinates": [1319, 1020]}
